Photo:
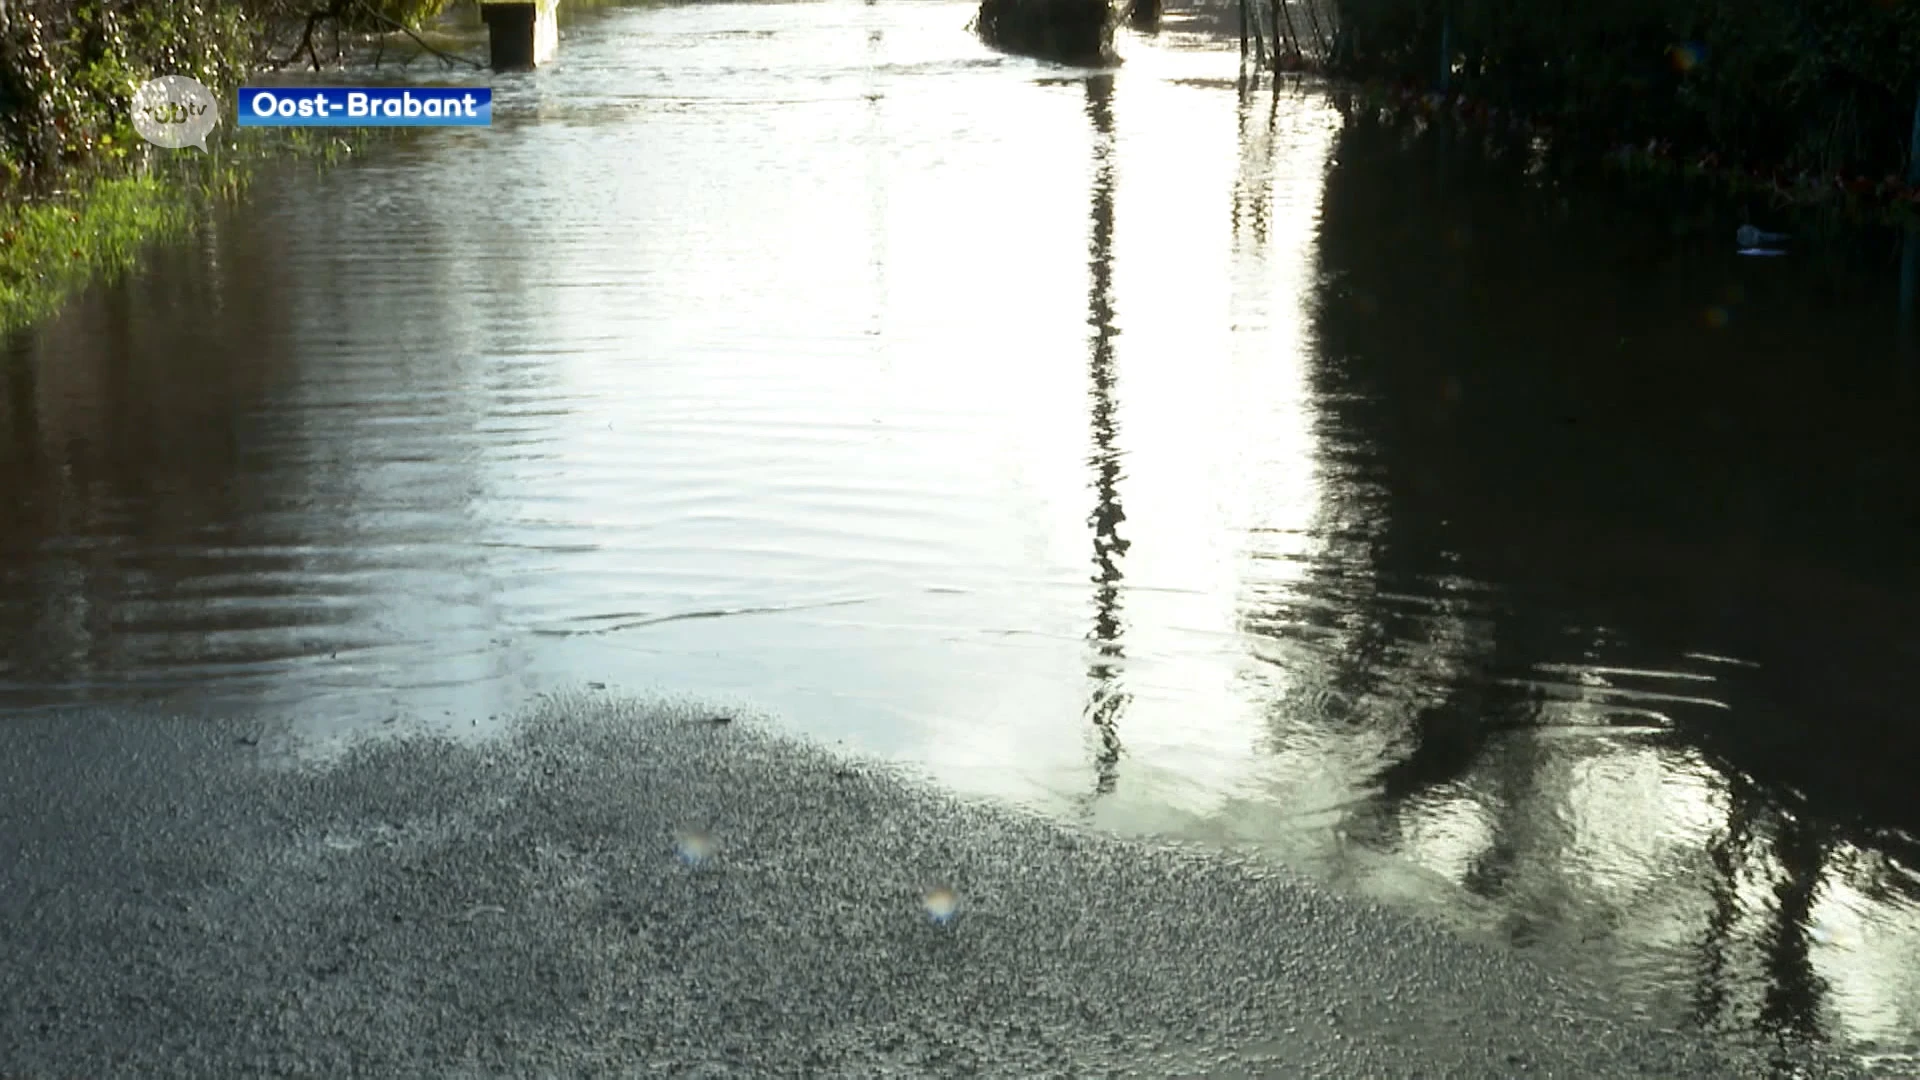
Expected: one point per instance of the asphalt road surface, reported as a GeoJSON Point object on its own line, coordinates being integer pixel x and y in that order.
{"type": "Point", "coordinates": [181, 898]}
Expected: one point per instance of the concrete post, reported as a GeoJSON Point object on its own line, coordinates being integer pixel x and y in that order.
{"type": "Point", "coordinates": [521, 34]}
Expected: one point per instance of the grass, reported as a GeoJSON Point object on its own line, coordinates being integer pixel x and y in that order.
{"type": "Point", "coordinates": [97, 227]}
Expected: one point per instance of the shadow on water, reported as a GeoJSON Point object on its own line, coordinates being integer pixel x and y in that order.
{"type": "Point", "coordinates": [1910, 304]}
{"type": "Point", "coordinates": [1685, 498]}
{"type": "Point", "coordinates": [1695, 478]}
{"type": "Point", "coordinates": [1109, 698]}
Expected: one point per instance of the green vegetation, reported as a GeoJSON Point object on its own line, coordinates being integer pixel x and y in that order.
{"type": "Point", "coordinates": [80, 193]}
{"type": "Point", "coordinates": [50, 247]}
{"type": "Point", "coordinates": [96, 227]}
{"type": "Point", "coordinates": [1829, 88]}
{"type": "Point", "coordinates": [68, 71]}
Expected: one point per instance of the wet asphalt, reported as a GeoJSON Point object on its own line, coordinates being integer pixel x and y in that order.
{"type": "Point", "coordinates": [180, 897]}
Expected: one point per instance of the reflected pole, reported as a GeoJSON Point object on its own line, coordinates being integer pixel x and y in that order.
{"type": "Point", "coordinates": [1795, 992]}
{"type": "Point", "coordinates": [876, 178]}
{"type": "Point", "coordinates": [1109, 697]}
{"type": "Point", "coordinates": [1728, 853]}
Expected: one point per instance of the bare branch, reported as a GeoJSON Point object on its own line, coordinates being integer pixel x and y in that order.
{"type": "Point", "coordinates": [446, 58]}
{"type": "Point", "coordinates": [314, 17]}
{"type": "Point", "coordinates": [334, 13]}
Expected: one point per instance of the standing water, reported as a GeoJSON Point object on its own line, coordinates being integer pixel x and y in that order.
{"type": "Point", "coordinates": [1189, 463]}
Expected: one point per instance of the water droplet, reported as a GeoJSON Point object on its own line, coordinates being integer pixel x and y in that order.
{"type": "Point", "coordinates": [695, 846]}
{"type": "Point", "coordinates": [1822, 932]}
{"type": "Point", "coordinates": [941, 904]}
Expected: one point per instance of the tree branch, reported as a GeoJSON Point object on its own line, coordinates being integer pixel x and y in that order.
{"type": "Point", "coordinates": [445, 57]}
{"type": "Point", "coordinates": [335, 12]}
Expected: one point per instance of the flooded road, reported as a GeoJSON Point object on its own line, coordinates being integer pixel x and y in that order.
{"type": "Point", "coordinates": [1190, 464]}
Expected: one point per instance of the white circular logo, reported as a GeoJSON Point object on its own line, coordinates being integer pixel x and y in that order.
{"type": "Point", "coordinates": [174, 111]}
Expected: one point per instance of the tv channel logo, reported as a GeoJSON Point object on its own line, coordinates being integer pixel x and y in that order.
{"type": "Point", "coordinates": [175, 111]}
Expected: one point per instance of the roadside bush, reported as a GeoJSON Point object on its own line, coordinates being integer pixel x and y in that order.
{"type": "Point", "coordinates": [68, 68]}
{"type": "Point", "coordinates": [1822, 85]}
